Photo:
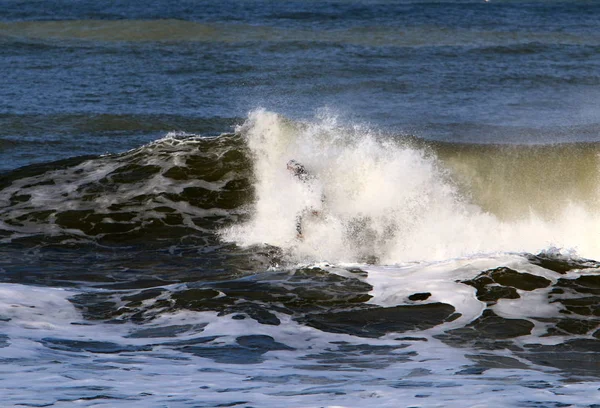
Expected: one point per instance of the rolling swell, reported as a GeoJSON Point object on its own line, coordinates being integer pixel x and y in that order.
{"type": "Point", "coordinates": [175, 30]}
{"type": "Point", "coordinates": [175, 189]}
{"type": "Point", "coordinates": [388, 198]}
{"type": "Point", "coordinates": [22, 125]}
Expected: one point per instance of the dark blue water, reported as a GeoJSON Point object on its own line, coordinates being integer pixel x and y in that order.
{"type": "Point", "coordinates": [87, 77]}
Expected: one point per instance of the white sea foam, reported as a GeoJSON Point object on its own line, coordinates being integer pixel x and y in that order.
{"type": "Point", "coordinates": [315, 373]}
{"type": "Point", "coordinates": [384, 198]}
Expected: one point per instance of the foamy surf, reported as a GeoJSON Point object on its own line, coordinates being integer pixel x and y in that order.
{"type": "Point", "coordinates": [397, 200]}
{"type": "Point", "coordinates": [205, 358]}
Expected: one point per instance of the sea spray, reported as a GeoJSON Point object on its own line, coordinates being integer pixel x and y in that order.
{"type": "Point", "coordinates": [391, 200]}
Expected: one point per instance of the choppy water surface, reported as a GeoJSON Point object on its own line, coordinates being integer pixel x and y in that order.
{"type": "Point", "coordinates": [450, 248]}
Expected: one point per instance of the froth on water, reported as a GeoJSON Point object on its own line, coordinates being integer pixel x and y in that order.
{"type": "Point", "coordinates": [398, 199]}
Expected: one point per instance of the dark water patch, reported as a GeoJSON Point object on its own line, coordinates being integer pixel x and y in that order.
{"type": "Point", "coordinates": [585, 306]}
{"type": "Point", "coordinates": [166, 331]}
{"type": "Point", "coordinates": [489, 331]}
{"type": "Point", "coordinates": [190, 342]}
{"type": "Point", "coordinates": [144, 295]}
{"type": "Point", "coordinates": [7, 178]}
{"type": "Point", "coordinates": [368, 349]}
{"type": "Point", "coordinates": [576, 326]}
{"type": "Point", "coordinates": [488, 291]}
{"type": "Point", "coordinates": [4, 341]}
{"type": "Point", "coordinates": [6, 144]}
{"type": "Point", "coordinates": [419, 372]}
{"type": "Point", "coordinates": [103, 347]}
{"type": "Point", "coordinates": [537, 385]}
{"type": "Point", "coordinates": [515, 49]}
{"type": "Point", "coordinates": [310, 391]}
{"type": "Point", "coordinates": [585, 284]}
{"type": "Point", "coordinates": [131, 173]}
{"type": "Point", "coordinates": [560, 263]}
{"type": "Point", "coordinates": [377, 321]}
{"type": "Point", "coordinates": [578, 299]}
{"type": "Point", "coordinates": [495, 327]}
{"type": "Point", "coordinates": [22, 127]}
{"type": "Point", "coordinates": [239, 303]}
{"type": "Point", "coordinates": [248, 350]}
{"type": "Point", "coordinates": [404, 384]}
{"type": "Point", "coordinates": [294, 378]}
{"type": "Point", "coordinates": [519, 280]}
{"type": "Point", "coordinates": [92, 398]}
{"type": "Point", "coordinates": [261, 342]}
{"type": "Point", "coordinates": [231, 404]}
{"type": "Point", "coordinates": [578, 357]}
{"type": "Point", "coordinates": [194, 297]}
{"type": "Point", "coordinates": [110, 307]}
{"type": "Point", "coordinates": [495, 361]}
{"type": "Point", "coordinates": [473, 370]}
{"type": "Point", "coordinates": [261, 297]}
{"type": "Point", "coordinates": [307, 15]}
{"type": "Point", "coordinates": [259, 313]}
{"type": "Point", "coordinates": [410, 338]}
{"type": "Point", "coordinates": [502, 283]}
{"type": "Point", "coordinates": [360, 356]}
{"type": "Point", "coordinates": [419, 296]}
{"type": "Point", "coordinates": [569, 325]}
{"type": "Point", "coordinates": [545, 404]}
{"type": "Point", "coordinates": [96, 306]}
{"type": "Point", "coordinates": [304, 291]}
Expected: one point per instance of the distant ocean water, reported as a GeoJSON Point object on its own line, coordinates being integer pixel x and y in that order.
{"type": "Point", "coordinates": [450, 217]}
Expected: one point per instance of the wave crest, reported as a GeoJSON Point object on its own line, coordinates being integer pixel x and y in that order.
{"type": "Point", "coordinates": [395, 200]}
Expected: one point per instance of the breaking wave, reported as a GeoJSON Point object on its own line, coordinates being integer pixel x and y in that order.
{"type": "Point", "coordinates": [371, 197]}
{"type": "Point", "coordinates": [399, 199]}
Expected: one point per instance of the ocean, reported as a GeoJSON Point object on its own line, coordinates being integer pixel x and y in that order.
{"type": "Point", "coordinates": [439, 248]}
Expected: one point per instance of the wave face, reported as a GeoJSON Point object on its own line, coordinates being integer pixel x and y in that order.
{"type": "Point", "coordinates": [401, 200]}
{"type": "Point", "coordinates": [429, 268]}
{"type": "Point", "coordinates": [177, 187]}
{"type": "Point", "coordinates": [390, 199]}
